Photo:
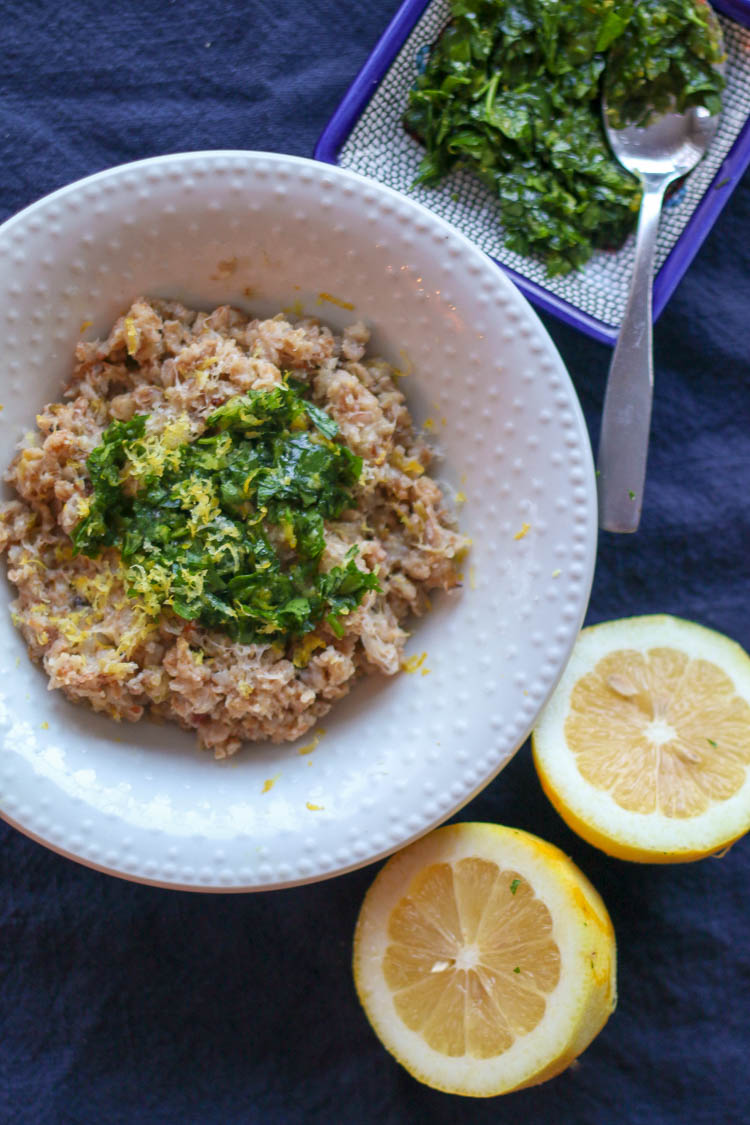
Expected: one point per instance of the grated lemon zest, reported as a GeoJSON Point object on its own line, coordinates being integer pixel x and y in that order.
{"type": "Point", "coordinates": [148, 456]}
{"type": "Point", "coordinates": [310, 746]}
{"type": "Point", "coordinates": [406, 370]}
{"type": "Point", "coordinates": [199, 498]}
{"type": "Point", "coordinates": [304, 649]}
{"type": "Point", "coordinates": [287, 530]}
{"type": "Point", "coordinates": [101, 592]}
{"type": "Point", "coordinates": [176, 433]}
{"type": "Point", "coordinates": [334, 301]}
{"type": "Point", "coordinates": [409, 465]}
{"type": "Point", "coordinates": [132, 336]}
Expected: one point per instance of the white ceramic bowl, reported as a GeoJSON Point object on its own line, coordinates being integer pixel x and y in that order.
{"type": "Point", "coordinates": [398, 755]}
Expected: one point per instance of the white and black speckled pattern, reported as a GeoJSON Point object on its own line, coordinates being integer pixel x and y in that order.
{"type": "Point", "coordinates": [379, 147]}
{"type": "Point", "coordinates": [398, 756]}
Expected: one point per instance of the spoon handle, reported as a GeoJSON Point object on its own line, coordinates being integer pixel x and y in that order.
{"type": "Point", "coordinates": [626, 415]}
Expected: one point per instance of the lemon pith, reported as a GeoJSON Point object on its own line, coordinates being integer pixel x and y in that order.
{"type": "Point", "coordinates": [644, 748]}
{"type": "Point", "coordinates": [484, 959]}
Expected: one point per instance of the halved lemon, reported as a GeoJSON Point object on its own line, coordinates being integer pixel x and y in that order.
{"type": "Point", "coordinates": [484, 959]}
{"type": "Point", "coordinates": [644, 747]}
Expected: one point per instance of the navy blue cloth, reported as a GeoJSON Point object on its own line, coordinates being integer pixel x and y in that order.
{"type": "Point", "coordinates": [125, 1004]}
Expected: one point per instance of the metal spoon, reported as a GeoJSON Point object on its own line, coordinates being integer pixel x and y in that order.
{"type": "Point", "coordinates": [666, 149]}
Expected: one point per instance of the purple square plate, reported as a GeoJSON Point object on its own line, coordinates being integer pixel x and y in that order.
{"type": "Point", "coordinates": [365, 135]}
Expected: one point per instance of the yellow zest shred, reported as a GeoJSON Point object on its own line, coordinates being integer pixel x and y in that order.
{"type": "Point", "coordinates": [269, 783]}
{"type": "Point", "coordinates": [200, 499]}
{"type": "Point", "coordinates": [132, 336]}
{"type": "Point", "coordinates": [314, 808]}
{"type": "Point", "coordinates": [153, 587]}
{"type": "Point", "coordinates": [310, 746]}
{"type": "Point", "coordinates": [409, 465]}
{"type": "Point", "coordinates": [248, 481]}
{"type": "Point", "coordinates": [148, 456]}
{"type": "Point", "coordinates": [406, 370]}
{"type": "Point", "coordinates": [203, 371]}
{"type": "Point", "coordinates": [287, 530]}
{"type": "Point", "coordinates": [525, 529]}
{"type": "Point", "coordinates": [334, 301]}
{"type": "Point", "coordinates": [176, 433]}
{"type": "Point", "coordinates": [120, 669]}
{"type": "Point", "coordinates": [106, 592]}
{"type": "Point", "coordinates": [304, 649]}
{"type": "Point", "coordinates": [413, 663]}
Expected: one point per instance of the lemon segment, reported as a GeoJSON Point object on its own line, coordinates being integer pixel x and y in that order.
{"type": "Point", "coordinates": [644, 747]}
{"type": "Point", "coordinates": [484, 959]}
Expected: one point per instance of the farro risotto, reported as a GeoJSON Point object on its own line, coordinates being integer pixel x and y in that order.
{"type": "Point", "coordinates": [224, 523]}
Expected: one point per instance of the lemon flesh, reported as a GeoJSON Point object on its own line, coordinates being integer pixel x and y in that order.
{"type": "Point", "coordinates": [484, 959]}
{"type": "Point", "coordinates": [644, 748]}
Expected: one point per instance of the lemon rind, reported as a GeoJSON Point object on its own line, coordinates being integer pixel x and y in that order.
{"type": "Point", "coordinates": [577, 1008]}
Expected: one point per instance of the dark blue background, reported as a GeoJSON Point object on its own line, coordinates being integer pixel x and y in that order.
{"type": "Point", "coordinates": [122, 1003]}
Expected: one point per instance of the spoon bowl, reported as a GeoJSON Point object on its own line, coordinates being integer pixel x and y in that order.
{"type": "Point", "coordinates": [670, 145]}
{"type": "Point", "coordinates": [664, 150]}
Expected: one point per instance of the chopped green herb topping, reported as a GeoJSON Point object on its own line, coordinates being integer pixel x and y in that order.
{"type": "Point", "coordinates": [228, 529]}
{"type": "Point", "coordinates": [514, 886]}
{"type": "Point", "coordinates": [711, 742]}
{"type": "Point", "coordinates": [512, 90]}
{"type": "Point", "coordinates": [517, 969]}
{"type": "Point", "coordinates": [663, 60]}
